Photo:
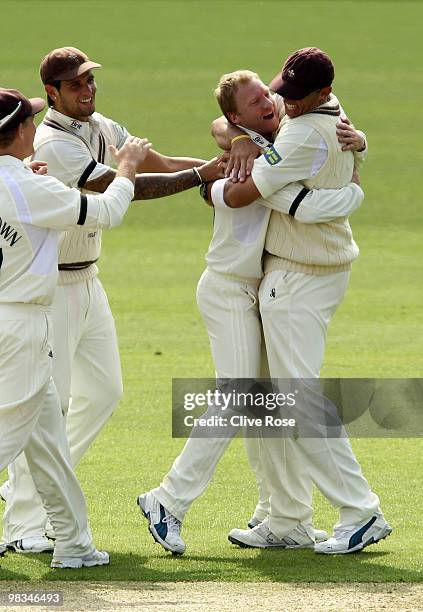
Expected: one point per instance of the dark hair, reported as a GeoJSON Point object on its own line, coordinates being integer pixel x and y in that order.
{"type": "Point", "coordinates": [55, 84]}
{"type": "Point", "coordinates": [8, 136]}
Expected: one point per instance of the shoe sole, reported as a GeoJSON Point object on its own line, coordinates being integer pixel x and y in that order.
{"type": "Point", "coordinates": [29, 551]}
{"type": "Point", "coordinates": [244, 545]}
{"type": "Point", "coordinates": [76, 565]}
{"type": "Point", "coordinates": [385, 533]}
{"type": "Point", "coordinates": [157, 539]}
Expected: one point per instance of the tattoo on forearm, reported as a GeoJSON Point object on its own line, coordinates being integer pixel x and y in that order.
{"type": "Point", "coordinates": [100, 184]}
{"type": "Point", "coordinates": [149, 186]}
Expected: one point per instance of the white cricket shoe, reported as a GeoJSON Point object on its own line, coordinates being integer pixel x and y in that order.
{"type": "Point", "coordinates": [3, 549]}
{"type": "Point", "coordinates": [262, 537]}
{"type": "Point", "coordinates": [355, 538]}
{"type": "Point", "coordinates": [4, 490]}
{"type": "Point", "coordinates": [253, 522]}
{"type": "Point", "coordinates": [32, 544]}
{"type": "Point", "coordinates": [319, 534]}
{"type": "Point", "coordinates": [97, 557]}
{"type": "Point", "coordinates": [164, 527]}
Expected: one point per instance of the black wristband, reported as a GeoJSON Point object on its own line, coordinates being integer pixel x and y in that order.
{"type": "Point", "coordinates": [203, 190]}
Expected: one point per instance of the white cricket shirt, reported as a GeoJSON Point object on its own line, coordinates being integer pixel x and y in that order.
{"type": "Point", "coordinates": [77, 152]}
{"type": "Point", "coordinates": [33, 210]}
{"type": "Point", "coordinates": [239, 234]}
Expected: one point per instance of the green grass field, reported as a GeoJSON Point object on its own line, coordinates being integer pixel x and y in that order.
{"type": "Point", "coordinates": [161, 61]}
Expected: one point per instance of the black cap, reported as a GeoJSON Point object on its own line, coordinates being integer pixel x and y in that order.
{"type": "Point", "coordinates": [304, 71]}
{"type": "Point", "coordinates": [15, 108]}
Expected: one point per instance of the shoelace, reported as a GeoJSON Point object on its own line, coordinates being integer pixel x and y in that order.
{"type": "Point", "coordinates": [174, 525]}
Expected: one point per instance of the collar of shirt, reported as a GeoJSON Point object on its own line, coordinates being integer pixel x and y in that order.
{"type": "Point", "coordinates": [331, 103]}
{"type": "Point", "coordinates": [9, 160]}
{"type": "Point", "coordinates": [86, 129]}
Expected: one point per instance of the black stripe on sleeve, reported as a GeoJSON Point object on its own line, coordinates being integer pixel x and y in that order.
{"type": "Point", "coordinates": [295, 204]}
{"type": "Point", "coordinates": [102, 148]}
{"type": "Point", "coordinates": [86, 173]}
{"type": "Point", "coordinates": [83, 210]}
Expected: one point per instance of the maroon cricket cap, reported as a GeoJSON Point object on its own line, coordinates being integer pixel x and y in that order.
{"type": "Point", "coordinates": [304, 71]}
{"type": "Point", "coordinates": [65, 64]}
{"type": "Point", "coordinates": [15, 108]}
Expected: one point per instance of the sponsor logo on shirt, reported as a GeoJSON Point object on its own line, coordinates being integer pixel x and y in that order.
{"type": "Point", "coordinates": [76, 125]}
{"type": "Point", "coordinates": [272, 156]}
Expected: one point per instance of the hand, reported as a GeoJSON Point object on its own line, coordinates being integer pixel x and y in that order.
{"type": "Point", "coordinates": [348, 137]}
{"type": "Point", "coordinates": [355, 177]}
{"type": "Point", "coordinates": [213, 169]}
{"type": "Point", "coordinates": [38, 167]}
{"type": "Point", "coordinates": [241, 159]}
{"type": "Point", "coordinates": [134, 151]}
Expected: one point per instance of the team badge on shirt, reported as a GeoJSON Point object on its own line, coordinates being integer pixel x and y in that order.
{"type": "Point", "coordinates": [272, 156]}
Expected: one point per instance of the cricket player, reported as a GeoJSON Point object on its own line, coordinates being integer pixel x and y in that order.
{"type": "Point", "coordinates": [227, 297]}
{"type": "Point", "coordinates": [306, 269]}
{"type": "Point", "coordinates": [73, 139]}
{"type": "Point", "coordinates": [33, 210]}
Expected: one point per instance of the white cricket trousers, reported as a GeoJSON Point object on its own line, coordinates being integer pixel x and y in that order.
{"type": "Point", "coordinates": [296, 309]}
{"type": "Point", "coordinates": [229, 308]}
{"type": "Point", "coordinates": [86, 367]}
{"type": "Point", "coordinates": [30, 421]}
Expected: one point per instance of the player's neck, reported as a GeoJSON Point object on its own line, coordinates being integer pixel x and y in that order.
{"type": "Point", "coordinates": [14, 151]}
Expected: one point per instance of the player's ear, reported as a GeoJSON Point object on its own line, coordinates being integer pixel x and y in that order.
{"type": "Point", "coordinates": [324, 93]}
{"type": "Point", "coordinates": [51, 91]}
{"type": "Point", "coordinates": [233, 117]}
{"type": "Point", "coordinates": [21, 131]}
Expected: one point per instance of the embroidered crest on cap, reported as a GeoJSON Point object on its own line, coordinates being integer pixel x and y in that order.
{"type": "Point", "coordinates": [291, 73]}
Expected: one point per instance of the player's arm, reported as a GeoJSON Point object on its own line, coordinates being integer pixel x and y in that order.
{"type": "Point", "coordinates": [59, 207]}
{"type": "Point", "coordinates": [223, 132]}
{"type": "Point", "coordinates": [151, 186]}
{"type": "Point", "coordinates": [305, 205]}
{"type": "Point", "coordinates": [292, 158]}
{"type": "Point", "coordinates": [316, 205]}
{"type": "Point", "coordinates": [243, 151]}
{"type": "Point", "coordinates": [156, 162]}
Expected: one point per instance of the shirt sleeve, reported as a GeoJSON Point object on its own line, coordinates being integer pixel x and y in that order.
{"type": "Point", "coordinates": [298, 154]}
{"type": "Point", "coordinates": [70, 162]}
{"type": "Point", "coordinates": [121, 134]}
{"type": "Point", "coordinates": [48, 203]}
{"type": "Point", "coordinates": [324, 205]}
{"type": "Point", "coordinates": [316, 205]}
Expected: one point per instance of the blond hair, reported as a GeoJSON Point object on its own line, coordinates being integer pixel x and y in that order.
{"type": "Point", "coordinates": [228, 86]}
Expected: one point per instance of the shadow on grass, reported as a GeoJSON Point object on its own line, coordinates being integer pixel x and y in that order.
{"type": "Point", "coordinates": [240, 566]}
